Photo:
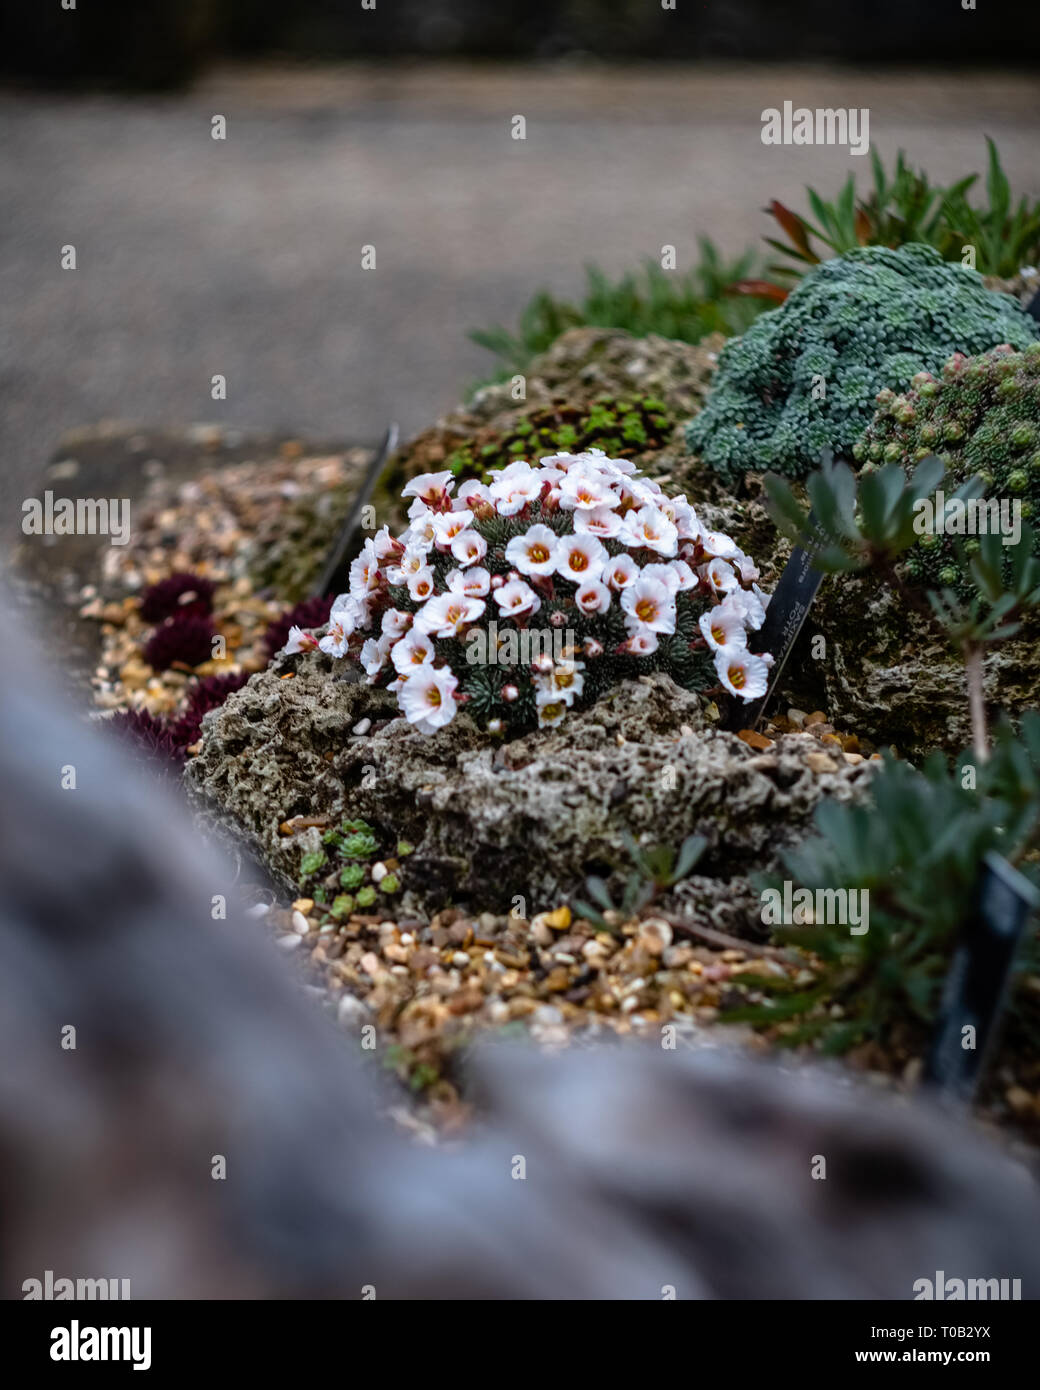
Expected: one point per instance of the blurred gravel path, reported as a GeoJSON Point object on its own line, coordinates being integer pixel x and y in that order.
{"type": "Point", "coordinates": [244, 257]}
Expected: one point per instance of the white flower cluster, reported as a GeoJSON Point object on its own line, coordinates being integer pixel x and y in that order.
{"type": "Point", "coordinates": [624, 543]}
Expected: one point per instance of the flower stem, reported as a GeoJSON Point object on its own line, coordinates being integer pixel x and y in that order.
{"type": "Point", "coordinates": [976, 701]}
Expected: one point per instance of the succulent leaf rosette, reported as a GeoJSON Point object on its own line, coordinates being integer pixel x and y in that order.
{"type": "Point", "coordinates": [805, 377]}
{"type": "Point", "coordinates": [536, 591]}
{"type": "Point", "coordinates": [981, 415]}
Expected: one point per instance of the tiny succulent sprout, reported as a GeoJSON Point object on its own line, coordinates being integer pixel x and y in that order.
{"type": "Point", "coordinates": [576, 573]}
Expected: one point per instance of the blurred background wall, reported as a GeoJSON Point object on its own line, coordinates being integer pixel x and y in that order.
{"type": "Point", "coordinates": [156, 43]}
{"type": "Point", "coordinates": [349, 127]}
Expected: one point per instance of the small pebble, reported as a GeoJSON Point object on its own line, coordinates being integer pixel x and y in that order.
{"type": "Point", "coordinates": [351, 1012]}
{"type": "Point", "coordinates": [362, 726]}
{"type": "Point", "coordinates": [289, 941]}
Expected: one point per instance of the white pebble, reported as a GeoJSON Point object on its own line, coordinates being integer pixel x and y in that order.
{"type": "Point", "coordinates": [300, 923]}
{"type": "Point", "coordinates": [289, 941]}
{"type": "Point", "coordinates": [258, 910]}
{"type": "Point", "coordinates": [460, 959]}
{"type": "Point", "coordinates": [379, 872]}
{"type": "Point", "coordinates": [362, 726]}
{"type": "Point", "coordinates": [351, 1012]}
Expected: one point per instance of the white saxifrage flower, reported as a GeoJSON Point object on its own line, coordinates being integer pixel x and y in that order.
{"type": "Point", "coordinates": [648, 605]}
{"type": "Point", "coordinates": [421, 584]}
{"type": "Point", "coordinates": [723, 626]}
{"type": "Point", "coordinates": [620, 571]}
{"type": "Point", "coordinates": [345, 617]}
{"type": "Point", "coordinates": [414, 649]}
{"type": "Point", "coordinates": [717, 545]}
{"type": "Point", "coordinates": [299, 641]}
{"type": "Point", "coordinates": [431, 488]}
{"type": "Point", "coordinates": [427, 697]}
{"type": "Point", "coordinates": [553, 544]}
{"type": "Point", "coordinates": [516, 598]}
{"type": "Point", "coordinates": [749, 605]}
{"type": "Point", "coordinates": [603, 522]}
{"type": "Point", "coordinates": [721, 576]}
{"type": "Point", "coordinates": [567, 680]}
{"type": "Point", "coordinates": [374, 653]}
{"type": "Point", "coordinates": [447, 615]}
{"type": "Point", "coordinates": [643, 642]}
{"type": "Point", "coordinates": [534, 552]}
{"type": "Point", "coordinates": [364, 571]}
{"type": "Point", "coordinates": [585, 491]}
{"type": "Point", "coordinates": [580, 558]}
{"type": "Point", "coordinates": [741, 672]}
{"type": "Point", "coordinates": [474, 582]}
{"type": "Point", "coordinates": [448, 525]}
{"type": "Point", "coordinates": [649, 528]}
{"type": "Point", "coordinates": [395, 622]}
{"type": "Point", "coordinates": [592, 597]}
{"type": "Point", "coordinates": [551, 711]}
{"type": "Point", "coordinates": [664, 574]}
{"type": "Point", "coordinates": [468, 547]}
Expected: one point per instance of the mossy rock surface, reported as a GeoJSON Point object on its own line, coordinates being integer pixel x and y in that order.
{"type": "Point", "coordinates": [564, 393]}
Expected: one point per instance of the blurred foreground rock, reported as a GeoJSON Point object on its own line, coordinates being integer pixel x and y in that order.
{"type": "Point", "coordinates": [644, 1168]}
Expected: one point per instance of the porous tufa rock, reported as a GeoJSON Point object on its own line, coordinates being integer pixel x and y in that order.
{"type": "Point", "coordinates": [889, 674]}
{"type": "Point", "coordinates": [530, 818]}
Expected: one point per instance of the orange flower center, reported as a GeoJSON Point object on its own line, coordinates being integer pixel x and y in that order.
{"type": "Point", "coordinates": [737, 676]}
{"type": "Point", "coordinates": [538, 554]}
{"type": "Point", "coordinates": [434, 696]}
{"type": "Point", "coordinates": [578, 561]}
{"type": "Point", "coordinates": [646, 609]}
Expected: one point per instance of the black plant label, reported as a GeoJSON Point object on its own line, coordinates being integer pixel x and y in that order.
{"type": "Point", "coordinates": [785, 617]}
{"type": "Point", "coordinates": [335, 574]}
{"type": "Point", "coordinates": [976, 985]}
